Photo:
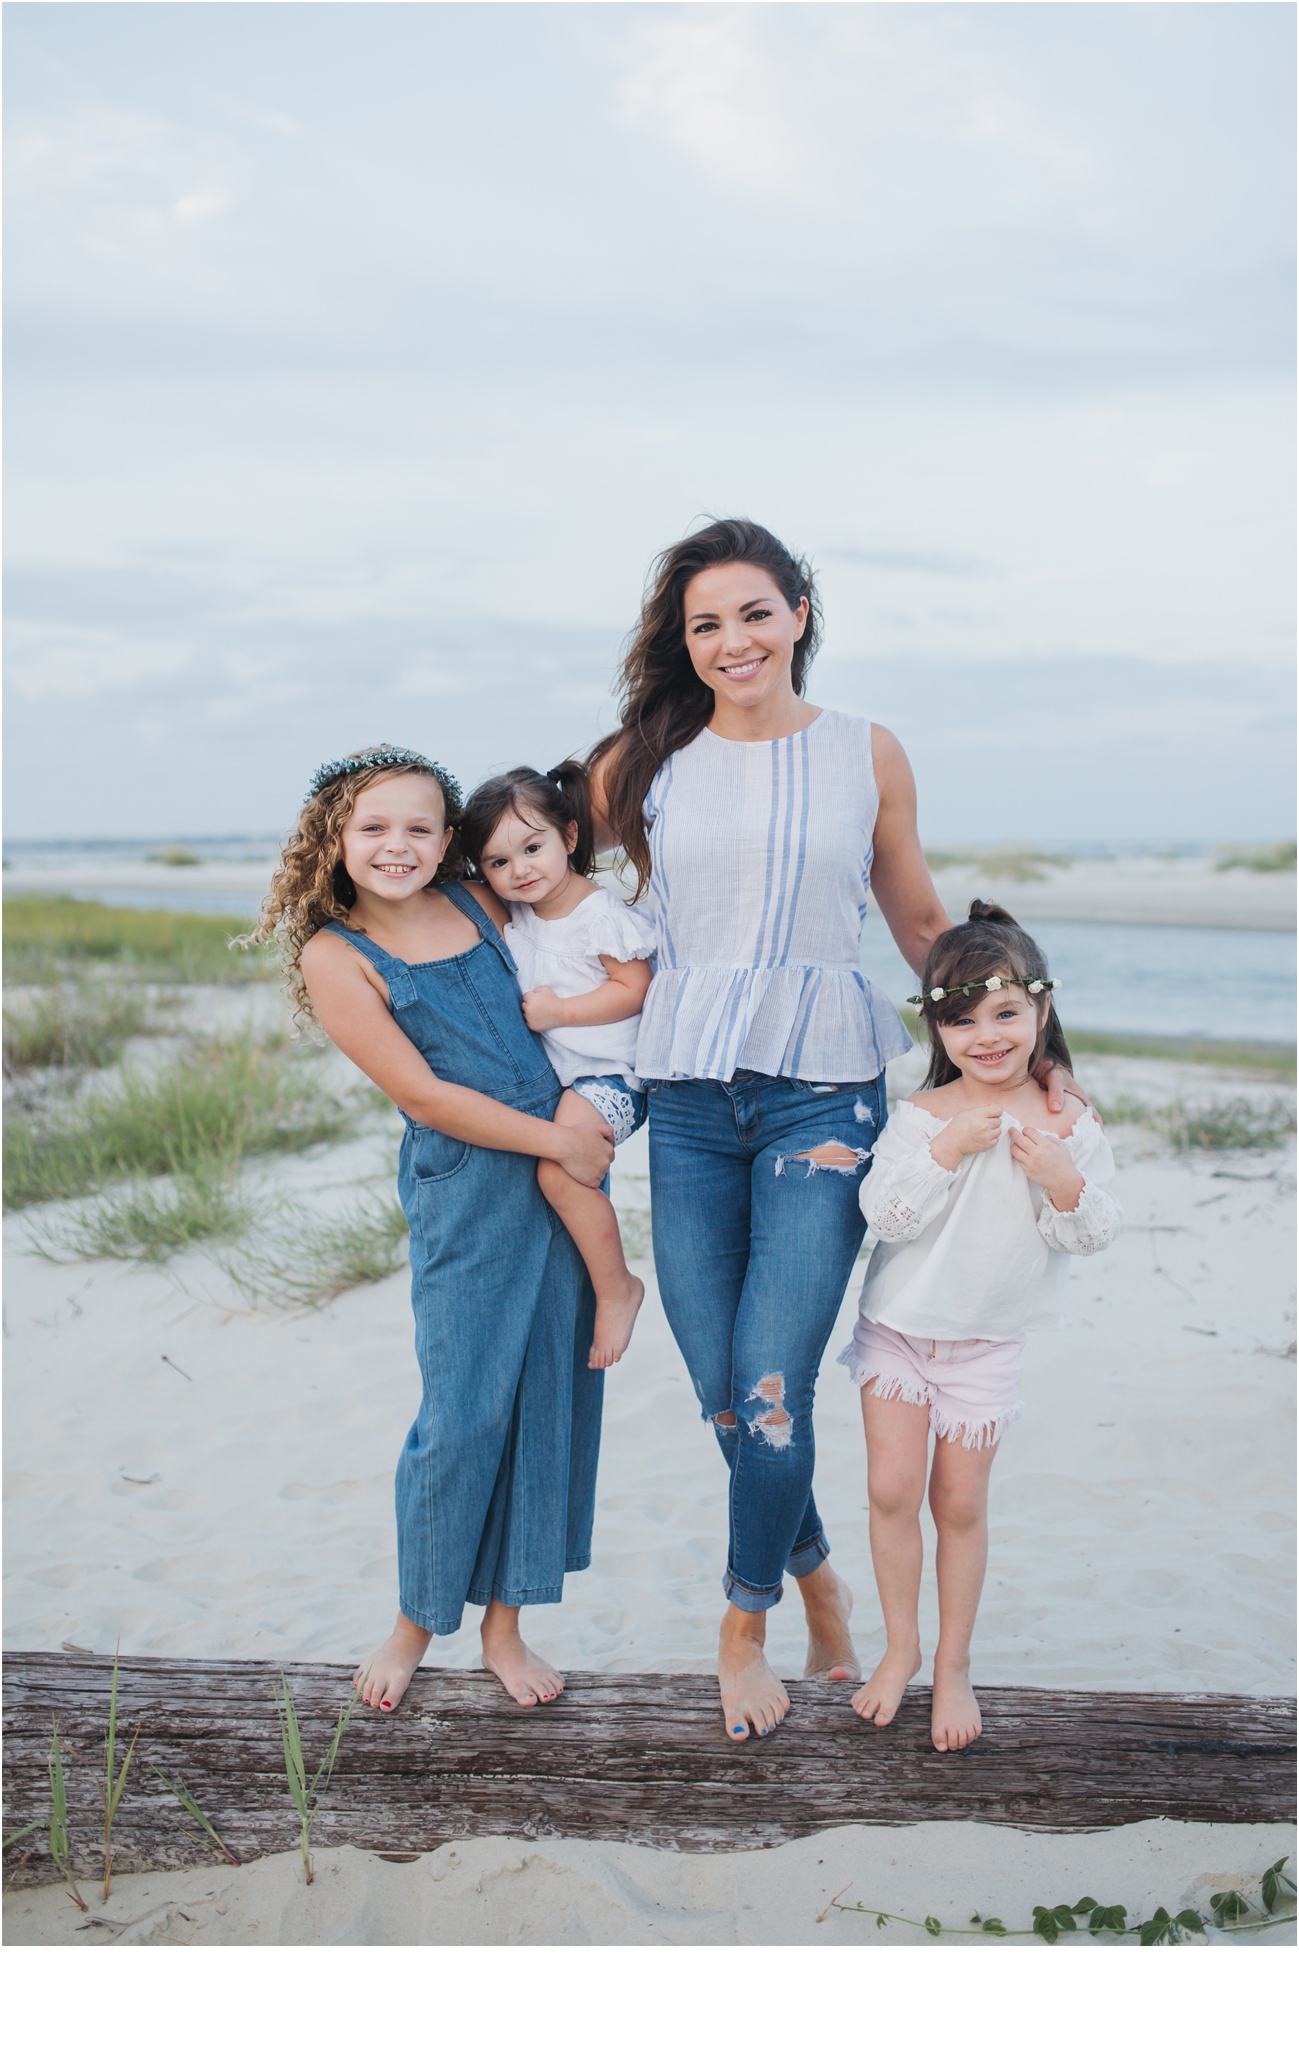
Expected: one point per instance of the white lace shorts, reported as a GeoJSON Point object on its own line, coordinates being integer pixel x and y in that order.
{"type": "Point", "coordinates": [623, 1107]}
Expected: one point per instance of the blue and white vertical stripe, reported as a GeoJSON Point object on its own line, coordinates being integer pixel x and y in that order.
{"type": "Point", "coordinates": [761, 865]}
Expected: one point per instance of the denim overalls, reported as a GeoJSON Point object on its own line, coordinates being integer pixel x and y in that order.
{"type": "Point", "coordinates": [496, 1481]}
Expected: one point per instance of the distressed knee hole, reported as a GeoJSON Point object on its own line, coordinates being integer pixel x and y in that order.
{"type": "Point", "coordinates": [831, 1158]}
{"type": "Point", "coordinates": [726, 1421]}
{"type": "Point", "coordinates": [774, 1425]}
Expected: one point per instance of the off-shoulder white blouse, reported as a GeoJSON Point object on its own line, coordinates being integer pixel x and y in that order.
{"type": "Point", "coordinates": [979, 1251]}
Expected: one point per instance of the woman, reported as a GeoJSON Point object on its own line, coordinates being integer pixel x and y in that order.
{"type": "Point", "coordinates": [756, 823]}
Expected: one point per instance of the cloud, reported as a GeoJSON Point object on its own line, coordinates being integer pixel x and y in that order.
{"type": "Point", "coordinates": [913, 561]}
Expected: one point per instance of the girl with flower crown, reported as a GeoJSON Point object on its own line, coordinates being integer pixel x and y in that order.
{"type": "Point", "coordinates": [404, 966]}
{"type": "Point", "coordinates": [977, 1193]}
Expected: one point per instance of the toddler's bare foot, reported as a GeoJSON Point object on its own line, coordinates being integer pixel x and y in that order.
{"type": "Point", "coordinates": [752, 1695]}
{"type": "Point", "coordinates": [956, 1719]}
{"type": "Point", "coordinates": [615, 1319]}
{"type": "Point", "coordinates": [383, 1679]}
{"type": "Point", "coordinates": [827, 1603]}
{"type": "Point", "coordinates": [880, 1697]}
{"type": "Point", "coordinates": [526, 1677]}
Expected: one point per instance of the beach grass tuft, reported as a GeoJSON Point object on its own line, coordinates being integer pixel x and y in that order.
{"type": "Point", "coordinates": [1248, 1055]}
{"type": "Point", "coordinates": [308, 1260]}
{"type": "Point", "coordinates": [202, 1115]}
{"type": "Point", "coordinates": [45, 936]}
{"type": "Point", "coordinates": [1235, 1126]}
{"type": "Point", "coordinates": [1261, 860]}
{"type": "Point", "coordinates": [1011, 863]}
{"type": "Point", "coordinates": [148, 1223]}
{"type": "Point", "coordinates": [82, 1024]}
{"type": "Point", "coordinates": [307, 1794]}
{"type": "Point", "coordinates": [60, 1844]}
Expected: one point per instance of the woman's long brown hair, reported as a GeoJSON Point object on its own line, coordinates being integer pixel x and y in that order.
{"type": "Point", "coordinates": [662, 703]}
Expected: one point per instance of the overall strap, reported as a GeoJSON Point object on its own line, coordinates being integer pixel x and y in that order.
{"type": "Point", "coordinates": [401, 989]}
{"type": "Point", "coordinates": [472, 908]}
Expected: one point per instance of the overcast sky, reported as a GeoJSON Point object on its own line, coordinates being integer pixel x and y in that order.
{"type": "Point", "coordinates": [359, 358]}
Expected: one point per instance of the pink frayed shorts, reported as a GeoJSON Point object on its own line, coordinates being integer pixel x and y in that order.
{"type": "Point", "coordinates": [970, 1385]}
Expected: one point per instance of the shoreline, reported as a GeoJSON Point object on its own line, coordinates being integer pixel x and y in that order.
{"type": "Point", "coordinates": [1136, 890]}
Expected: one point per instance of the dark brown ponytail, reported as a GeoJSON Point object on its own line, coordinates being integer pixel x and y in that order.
{"type": "Point", "coordinates": [562, 797]}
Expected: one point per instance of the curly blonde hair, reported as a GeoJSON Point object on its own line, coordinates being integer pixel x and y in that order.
{"type": "Point", "coordinates": [311, 887]}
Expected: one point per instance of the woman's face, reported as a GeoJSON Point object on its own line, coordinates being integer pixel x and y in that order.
{"type": "Point", "coordinates": [740, 633]}
{"type": "Point", "coordinates": [395, 839]}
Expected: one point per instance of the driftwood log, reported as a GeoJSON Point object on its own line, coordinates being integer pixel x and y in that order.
{"type": "Point", "coordinates": [620, 1757]}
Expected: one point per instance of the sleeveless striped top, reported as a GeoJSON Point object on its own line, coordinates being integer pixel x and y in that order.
{"type": "Point", "coordinates": [761, 856]}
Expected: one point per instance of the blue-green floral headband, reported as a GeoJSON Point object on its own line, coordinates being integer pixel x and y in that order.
{"type": "Point", "coordinates": [384, 757]}
{"type": "Point", "coordinates": [994, 981]}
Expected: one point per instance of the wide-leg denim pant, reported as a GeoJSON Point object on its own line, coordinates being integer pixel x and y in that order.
{"type": "Point", "coordinates": [754, 1246]}
{"type": "Point", "coordinates": [496, 1482]}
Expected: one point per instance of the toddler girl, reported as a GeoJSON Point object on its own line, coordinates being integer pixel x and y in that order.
{"type": "Point", "coordinates": [583, 964]}
{"type": "Point", "coordinates": [405, 968]}
{"type": "Point", "coordinates": [975, 1195]}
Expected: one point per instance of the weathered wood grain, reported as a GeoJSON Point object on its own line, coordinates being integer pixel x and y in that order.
{"type": "Point", "coordinates": [622, 1757]}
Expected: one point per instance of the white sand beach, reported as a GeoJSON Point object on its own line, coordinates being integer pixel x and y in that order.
{"type": "Point", "coordinates": [194, 1479]}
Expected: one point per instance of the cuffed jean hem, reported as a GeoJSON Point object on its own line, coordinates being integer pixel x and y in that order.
{"type": "Point", "coordinates": [746, 1599]}
{"type": "Point", "coordinates": [802, 1563]}
{"type": "Point", "coordinates": [809, 1559]}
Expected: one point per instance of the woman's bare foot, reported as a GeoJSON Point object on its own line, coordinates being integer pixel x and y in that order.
{"type": "Point", "coordinates": [956, 1720]}
{"type": "Point", "coordinates": [827, 1603]}
{"type": "Point", "coordinates": [526, 1677]}
{"type": "Point", "coordinates": [383, 1679]}
{"type": "Point", "coordinates": [752, 1695]}
{"type": "Point", "coordinates": [881, 1696]}
{"type": "Point", "coordinates": [615, 1319]}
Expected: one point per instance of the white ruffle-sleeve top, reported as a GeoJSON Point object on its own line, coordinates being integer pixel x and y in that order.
{"type": "Point", "coordinates": [979, 1251]}
{"type": "Point", "coordinates": [563, 953]}
{"type": "Point", "coordinates": [761, 853]}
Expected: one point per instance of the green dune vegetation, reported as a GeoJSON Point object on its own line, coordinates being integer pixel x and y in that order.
{"type": "Point", "coordinates": [123, 1149]}
{"type": "Point", "coordinates": [131, 1134]}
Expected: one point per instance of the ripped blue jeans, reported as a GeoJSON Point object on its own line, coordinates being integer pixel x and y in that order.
{"type": "Point", "coordinates": [754, 1246]}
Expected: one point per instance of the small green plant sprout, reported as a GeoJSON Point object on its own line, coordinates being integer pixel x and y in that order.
{"type": "Point", "coordinates": [1277, 1888]}
{"type": "Point", "coordinates": [112, 1782]}
{"type": "Point", "coordinates": [60, 1849]}
{"type": "Point", "coordinates": [307, 1796]}
{"type": "Point", "coordinates": [195, 1812]}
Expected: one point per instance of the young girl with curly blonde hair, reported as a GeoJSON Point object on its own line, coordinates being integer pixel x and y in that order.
{"type": "Point", "coordinates": [403, 965]}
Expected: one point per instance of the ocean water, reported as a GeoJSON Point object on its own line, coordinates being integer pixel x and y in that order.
{"type": "Point", "coordinates": [1161, 980]}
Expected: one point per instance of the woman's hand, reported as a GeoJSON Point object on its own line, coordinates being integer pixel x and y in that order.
{"type": "Point", "coordinates": [1045, 1159]}
{"type": "Point", "coordinates": [543, 1010]}
{"type": "Point", "coordinates": [585, 1151]}
{"type": "Point", "coordinates": [1059, 1082]}
{"type": "Point", "coordinates": [974, 1130]}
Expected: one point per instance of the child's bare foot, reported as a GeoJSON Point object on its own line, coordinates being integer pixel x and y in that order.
{"type": "Point", "coordinates": [880, 1697]}
{"type": "Point", "coordinates": [615, 1319]}
{"type": "Point", "coordinates": [383, 1679]}
{"type": "Point", "coordinates": [827, 1604]}
{"type": "Point", "coordinates": [956, 1719]}
{"type": "Point", "coordinates": [526, 1677]}
{"type": "Point", "coordinates": [752, 1695]}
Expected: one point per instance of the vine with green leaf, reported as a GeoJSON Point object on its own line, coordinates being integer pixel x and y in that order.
{"type": "Point", "coordinates": [1231, 1912]}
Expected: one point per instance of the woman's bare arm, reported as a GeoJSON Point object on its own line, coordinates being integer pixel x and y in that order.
{"type": "Point", "coordinates": [904, 888]}
{"type": "Point", "coordinates": [606, 840]}
{"type": "Point", "coordinates": [354, 1012]}
{"type": "Point", "coordinates": [900, 879]}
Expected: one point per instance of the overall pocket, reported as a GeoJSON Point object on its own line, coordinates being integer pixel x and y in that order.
{"type": "Point", "coordinates": [434, 1156]}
